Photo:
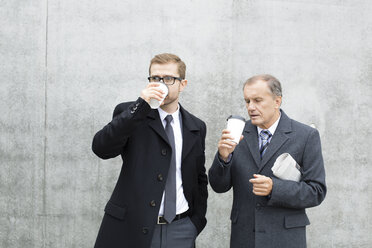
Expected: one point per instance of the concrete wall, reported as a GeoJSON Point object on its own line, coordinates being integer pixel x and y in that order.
{"type": "Point", "coordinates": [64, 65]}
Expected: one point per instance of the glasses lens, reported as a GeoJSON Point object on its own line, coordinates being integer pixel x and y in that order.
{"type": "Point", "coordinates": [168, 80]}
{"type": "Point", "coordinates": [154, 79]}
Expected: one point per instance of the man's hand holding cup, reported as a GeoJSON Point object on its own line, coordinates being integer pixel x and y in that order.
{"type": "Point", "coordinates": [231, 136]}
{"type": "Point", "coordinates": [226, 145]}
{"type": "Point", "coordinates": [154, 94]}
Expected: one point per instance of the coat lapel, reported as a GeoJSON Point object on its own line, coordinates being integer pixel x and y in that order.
{"type": "Point", "coordinates": [251, 139]}
{"type": "Point", "coordinates": [189, 130]}
{"type": "Point", "coordinates": [156, 125]}
{"type": "Point", "coordinates": [279, 138]}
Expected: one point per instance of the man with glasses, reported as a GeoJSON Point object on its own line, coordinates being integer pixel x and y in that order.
{"type": "Point", "coordinates": [160, 199]}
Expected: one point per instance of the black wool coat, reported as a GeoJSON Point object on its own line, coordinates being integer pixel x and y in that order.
{"type": "Point", "coordinates": [137, 134]}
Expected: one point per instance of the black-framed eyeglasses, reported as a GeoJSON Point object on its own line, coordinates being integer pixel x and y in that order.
{"type": "Point", "coordinates": [168, 80]}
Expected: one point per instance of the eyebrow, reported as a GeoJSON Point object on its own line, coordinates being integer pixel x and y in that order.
{"type": "Point", "coordinates": [162, 76]}
{"type": "Point", "coordinates": [253, 98]}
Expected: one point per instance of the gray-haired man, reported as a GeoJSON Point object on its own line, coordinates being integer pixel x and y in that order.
{"type": "Point", "coordinates": [268, 211]}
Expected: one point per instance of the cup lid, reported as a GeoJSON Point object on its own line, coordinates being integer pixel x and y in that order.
{"type": "Point", "coordinates": [236, 117]}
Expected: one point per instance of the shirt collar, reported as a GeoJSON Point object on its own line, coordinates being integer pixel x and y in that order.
{"type": "Point", "coordinates": [272, 128]}
{"type": "Point", "coordinates": [175, 115]}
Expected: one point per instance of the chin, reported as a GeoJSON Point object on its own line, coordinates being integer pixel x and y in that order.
{"type": "Point", "coordinates": [256, 123]}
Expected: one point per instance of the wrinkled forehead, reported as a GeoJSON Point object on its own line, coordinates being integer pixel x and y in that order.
{"type": "Point", "coordinates": [257, 88]}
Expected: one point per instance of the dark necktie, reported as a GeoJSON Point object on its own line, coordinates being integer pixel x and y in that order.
{"type": "Point", "coordinates": [265, 140]}
{"type": "Point", "coordinates": [170, 186]}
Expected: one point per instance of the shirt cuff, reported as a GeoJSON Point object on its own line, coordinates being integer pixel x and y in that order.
{"type": "Point", "coordinates": [223, 161]}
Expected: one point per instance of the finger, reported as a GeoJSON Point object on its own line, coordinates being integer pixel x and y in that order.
{"type": "Point", "coordinates": [227, 136]}
{"type": "Point", "coordinates": [155, 96]}
{"type": "Point", "coordinates": [225, 146]}
{"type": "Point", "coordinates": [225, 131]}
{"type": "Point", "coordinates": [152, 85]}
{"type": "Point", "coordinates": [227, 143]}
{"type": "Point", "coordinates": [260, 193]}
{"type": "Point", "coordinates": [156, 92]}
{"type": "Point", "coordinates": [261, 190]}
{"type": "Point", "coordinates": [241, 138]}
{"type": "Point", "coordinates": [256, 180]}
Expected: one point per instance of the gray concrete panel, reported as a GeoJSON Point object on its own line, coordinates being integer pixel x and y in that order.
{"type": "Point", "coordinates": [22, 111]}
{"type": "Point", "coordinates": [64, 65]}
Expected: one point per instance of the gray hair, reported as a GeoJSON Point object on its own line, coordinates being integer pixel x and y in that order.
{"type": "Point", "coordinates": [273, 83]}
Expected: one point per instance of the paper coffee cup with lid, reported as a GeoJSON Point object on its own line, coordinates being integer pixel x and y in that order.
{"type": "Point", "coordinates": [235, 124]}
{"type": "Point", "coordinates": [154, 104]}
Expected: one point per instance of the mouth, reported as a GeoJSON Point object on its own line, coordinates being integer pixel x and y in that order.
{"type": "Point", "coordinates": [253, 116]}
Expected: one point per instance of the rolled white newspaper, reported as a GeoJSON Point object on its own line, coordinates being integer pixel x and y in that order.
{"type": "Point", "coordinates": [285, 167]}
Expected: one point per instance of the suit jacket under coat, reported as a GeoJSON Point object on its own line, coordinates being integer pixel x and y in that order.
{"type": "Point", "coordinates": [137, 134]}
{"type": "Point", "coordinates": [280, 219]}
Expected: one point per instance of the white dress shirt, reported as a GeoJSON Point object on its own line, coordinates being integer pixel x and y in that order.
{"type": "Point", "coordinates": [181, 205]}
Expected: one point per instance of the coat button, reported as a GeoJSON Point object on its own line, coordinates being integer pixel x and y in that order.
{"type": "Point", "coordinates": [152, 203]}
{"type": "Point", "coordinates": [160, 178]}
{"type": "Point", "coordinates": [145, 230]}
{"type": "Point", "coordinates": [164, 152]}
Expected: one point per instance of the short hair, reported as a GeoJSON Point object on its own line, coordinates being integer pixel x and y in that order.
{"type": "Point", "coordinates": [273, 83]}
{"type": "Point", "coordinates": [166, 58]}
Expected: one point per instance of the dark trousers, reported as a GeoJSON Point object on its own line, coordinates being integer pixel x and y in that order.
{"type": "Point", "coordinates": [178, 234]}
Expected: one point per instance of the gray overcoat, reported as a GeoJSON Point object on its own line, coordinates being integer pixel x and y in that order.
{"type": "Point", "coordinates": [278, 220]}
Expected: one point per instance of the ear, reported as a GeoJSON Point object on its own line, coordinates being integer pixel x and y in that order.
{"type": "Point", "coordinates": [183, 85]}
{"type": "Point", "coordinates": [278, 102]}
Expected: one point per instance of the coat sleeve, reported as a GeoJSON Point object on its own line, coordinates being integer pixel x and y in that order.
{"type": "Point", "coordinates": [220, 175]}
{"type": "Point", "coordinates": [112, 138]}
{"type": "Point", "coordinates": [311, 189]}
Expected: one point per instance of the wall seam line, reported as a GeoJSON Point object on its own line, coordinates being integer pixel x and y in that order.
{"type": "Point", "coordinates": [44, 231]}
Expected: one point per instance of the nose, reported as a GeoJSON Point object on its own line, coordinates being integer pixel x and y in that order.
{"type": "Point", "coordinates": [251, 106]}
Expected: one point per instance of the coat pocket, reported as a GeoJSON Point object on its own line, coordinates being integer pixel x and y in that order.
{"type": "Point", "coordinates": [115, 211]}
{"type": "Point", "coordinates": [234, 215]}
{"type": "Point", "coordinates": [297, 220]}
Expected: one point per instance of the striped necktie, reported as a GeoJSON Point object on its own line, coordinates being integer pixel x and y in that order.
{"type": "Point", "coordinates": [265, 137]}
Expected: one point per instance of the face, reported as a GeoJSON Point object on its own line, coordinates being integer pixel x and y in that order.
{"type": "Point", "coordinates": [169, 69]}
{"type": "Point", "coordinates": [263, 107]}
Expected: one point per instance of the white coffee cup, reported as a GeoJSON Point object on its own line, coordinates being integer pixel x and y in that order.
{"type": "Point", "coordinates": [235, 124]}
{"type": "Point", "coordinates": [154, 104]}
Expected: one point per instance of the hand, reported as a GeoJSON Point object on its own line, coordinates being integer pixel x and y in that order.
{"type": "Point", "coordinates": [152, 91]}
{"type": "Point", "coordinates": [262, 185]}
{"type": "Point", "coordinates": [226, 145]}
